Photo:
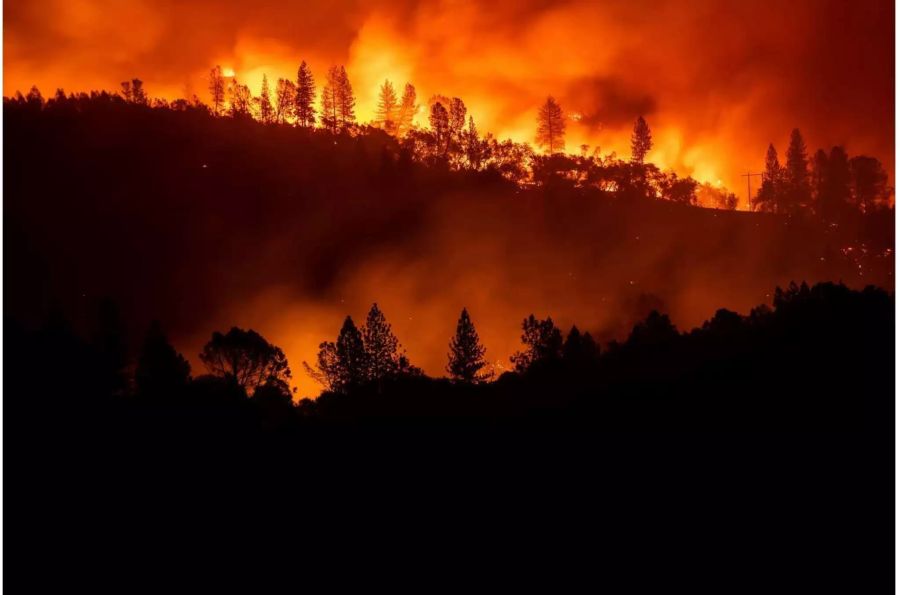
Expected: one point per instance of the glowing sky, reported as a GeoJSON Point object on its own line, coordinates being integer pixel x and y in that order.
{"type": "Point", "coordinates": [716, 80]}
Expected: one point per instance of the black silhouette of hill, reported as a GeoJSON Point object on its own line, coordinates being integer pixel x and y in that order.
{"type": "Point", "coordinates": [756, 447]}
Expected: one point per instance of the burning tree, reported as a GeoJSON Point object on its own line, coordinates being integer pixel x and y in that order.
{"type": "Point", "coordinates": [551, 127]}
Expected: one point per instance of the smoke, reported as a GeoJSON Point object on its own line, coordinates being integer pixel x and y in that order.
{"type": "Point", "coordinates": [717, 80]}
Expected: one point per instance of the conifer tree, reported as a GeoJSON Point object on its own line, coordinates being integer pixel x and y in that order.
{"type": "Point", "coordinates": [542, 340]}
{"type": "Point", "coordinates": [341, 365]}
{"type": "Point", "coordinates": [440, 126]}
{"type": "Point", "coordinates": [768, 197]}
{"type": "Point", "coordinates": [457, 116]}
{"type": "Point", "coordinates": [346, 101]}
{"type": "Point", "coordinates": [381, 345]}
{"type": "Point", "coordinates": [266, 112]}
{"type": "Point", "coordinates": [331, 100]}
{"type": "Point", "coordinates": [306, 97]}
{"type": "Point", "coordinates": [551, 129]}
{"type": "Point", "coordinates": [217, 90]}
{"type": "Point", "coordinates": [797, 190]}
{"type": "Point", "coordinates": [641, 141]}
{"type": "Point", "coordinates": [351, 353]}
{"type": "Point", "coordinates": [386, 115]}
{"type": "Point", "coordinates": [240, 98]}
{"type": "Point", "coordinates": [285, 96]}
{"type": "Point", "coordinates": [466, 357]}
{"type": "Point", "coordinates": [473, 147]}
{"type": "Point", "coordinates": [407, 110]}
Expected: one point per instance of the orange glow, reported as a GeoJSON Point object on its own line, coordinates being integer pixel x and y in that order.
{"type": "Point", "coordinates": [717, 82]}
{"type": "Point", "coordinates": [713, 103]}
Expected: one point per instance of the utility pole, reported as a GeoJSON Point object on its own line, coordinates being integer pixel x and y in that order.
{"type": "Point", "coordinates": [749, 175]}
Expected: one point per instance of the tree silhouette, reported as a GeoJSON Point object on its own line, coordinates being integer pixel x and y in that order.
{"type": "Point", "coordinates": [641, 141]}
{"type": "Point", "coordinates": [381, 345]}
{"type": "Point", "coordinates": [266, 112]}
{"type": "Point", "coordinates": [551, 128]}
{"type": "Point", "coordinates": [796, 174]}
{"type": "Point", "coordinates": [246, 358]}
{"type": "Point", "coordinates": [34, 98]}
{"type": "Point", "coordinates": [341, 365]}
{"type": "Point", "coordinates": [306, 97]}
{"type": "Point", "coordinates": [240, 99]}
{"type": "Point", "coordinates": [656, 330]}
{"type": "Point", "coordinates": [132, 91]}
{"type": "Point", "coordinates": [457, 116]}
{"type": "Point", "coordinates": [868, 183]}
{"type": "Point", "coordinates": [473, 147]}
{"type": "Point", "coordinates": [768, 197]}
{"type": "Point", "coordinates": [386, 114]}
{"type": "Point", "coordinates": [331, 100]}
{"type": "Point", "coordinates": [835, 193]}
{"type": "Point", "coordinates": [346, 101]}
{"type": "Point", "coordinates": [440, 126]}
{"type": "Point", "coordinates": [466, 357]}
{"type": "Point", "coordinates": [217, 90]}
{"type": "Point", "coordinates": [407, 110]}
{"type": "Point", "coordinates": [285, 97]}
{"type": "Point", "coordinates": [579, 348]}
{"type": "Point", "coordinates": [161, 371]}
{"type": "Point", "coordinates": [542, 340]}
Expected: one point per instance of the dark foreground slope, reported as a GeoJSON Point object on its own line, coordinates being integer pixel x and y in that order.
{"type": "Point", "coordinates": [754, 450]}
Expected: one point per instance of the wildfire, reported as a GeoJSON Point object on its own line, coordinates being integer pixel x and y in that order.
{"type": "Point", "coordinates": [495, 57]}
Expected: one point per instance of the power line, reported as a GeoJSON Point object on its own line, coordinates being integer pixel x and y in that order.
{"type": "Point", "coordinates": [749, 175]}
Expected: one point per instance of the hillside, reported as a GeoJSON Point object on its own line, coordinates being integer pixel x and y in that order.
{"type": "Point", "coordinates": [203, 223]}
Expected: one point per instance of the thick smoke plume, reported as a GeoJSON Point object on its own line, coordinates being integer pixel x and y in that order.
{"type": "Point", "coordinates": [717, 80]}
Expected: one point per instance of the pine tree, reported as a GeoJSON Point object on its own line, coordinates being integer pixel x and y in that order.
{"type": "Point", "coordinates": [132, 91]}
{"type": "Point", "coordinates": [285, 96]}
{"type": "Point", "coordinates": [769, 196]}
{"type": "Point", "coordinates": [407, 110]}
{"type": "Point", "coordinates": [386, 115]}
{"type": "Point", "coordinates": [440, 126]}
{"type": "Point", "coordinates": [466, 357]}
{"type": "Point", "coordinates": [542, 340]}
{"type": "Point", "coordinates": [641, 141]}
{"type": "Point", "coordinates": [473, 146]}
{"type": "Point", "coordinates": [331, 100]}
{"type": "Point", "coordinates": [266, 112]}
{"type": "Point", "coordinates": [869, 183]}
{"type": "Point", "coordinates": [351, 353]}
{"type": "Point", "coordinates": [381, 345]}
{"type": "Point", "coordinates": [240, 99]}
{"type": "Point", "coordinates": [306, 97]}
{"type": "Point", "coordinates": [217, 90]}
{"type": "Point", "coordinates": [341, 366]}
{"type": "Point", "coordinates": [346, 101]}
{"type": "Point", "coordinates": [551, 129]}
{"type": "Point", "coordinates": [457, 116]}
{"type": "Point", "coordinates": [797, 190]}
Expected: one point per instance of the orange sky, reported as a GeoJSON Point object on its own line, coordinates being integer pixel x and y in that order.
{"type": "Point", "coordinates": [716, 80]}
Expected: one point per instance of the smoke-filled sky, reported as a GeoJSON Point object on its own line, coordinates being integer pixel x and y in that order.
{"type": "Point", "coordinates": [717, 80]}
